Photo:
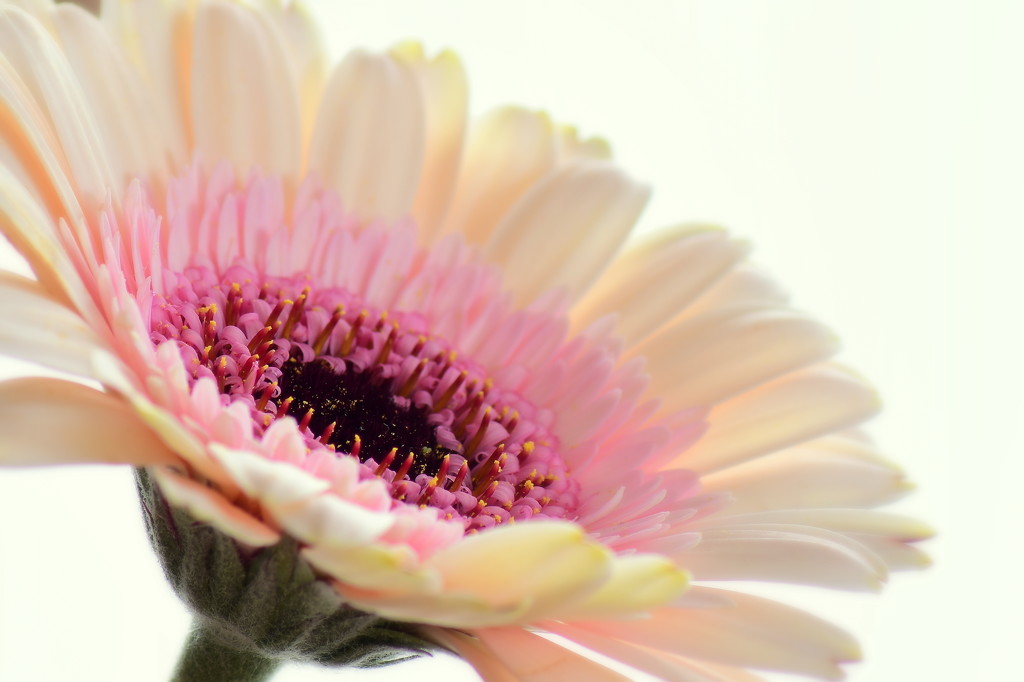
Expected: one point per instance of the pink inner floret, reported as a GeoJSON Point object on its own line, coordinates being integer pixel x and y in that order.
{"type": "Point", "coordinates": [367, 384]}
{"type": "Point", "coordinates": [276, 323]}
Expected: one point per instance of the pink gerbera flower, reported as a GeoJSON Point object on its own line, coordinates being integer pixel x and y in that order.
{"type": "Point", "coordinates": [395, 384]}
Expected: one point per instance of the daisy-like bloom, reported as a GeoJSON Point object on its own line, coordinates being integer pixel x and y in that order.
{"type": "Point", "coordinates": [417, 357]}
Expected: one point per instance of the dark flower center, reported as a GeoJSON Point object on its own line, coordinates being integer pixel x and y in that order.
{"type": "Point", "coordinates": [356, 412]}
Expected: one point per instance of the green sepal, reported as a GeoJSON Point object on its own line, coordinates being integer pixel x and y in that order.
{"type": "Point", "coordinates": [266, 602]}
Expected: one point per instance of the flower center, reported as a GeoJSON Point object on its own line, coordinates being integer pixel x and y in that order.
{"type": "Point", "coordinates": [371, 385]}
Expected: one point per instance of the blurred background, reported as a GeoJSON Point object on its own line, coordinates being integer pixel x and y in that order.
{"type": "Point", "coordinates": [873, 153]}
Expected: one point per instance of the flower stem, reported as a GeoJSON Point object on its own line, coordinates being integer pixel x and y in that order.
{"type": "Point", "coordinates": [208, 657]}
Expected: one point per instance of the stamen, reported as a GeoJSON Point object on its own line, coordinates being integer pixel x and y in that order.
{"type": "Point", "coordinates": [283, 409]}
{"type": "Point", "coordinates": [350, 338]}
{"type": "Point", "coordinates": [403, 471]}
{"type": "Point", "coordinates": [385, 463]}
{"type": "Point", "coordinates": [325, 333]}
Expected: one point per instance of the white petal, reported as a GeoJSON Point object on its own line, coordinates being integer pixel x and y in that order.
{"type": "Point", "coordinates": [745, 285]}
{"type": "Point", "coordinates": [830, 472]}
{"type": "Point", "coordinates": [45, 71]}
{"type": "Point", "coordinates": [28, 228]}
{"type": "Point", "coordinates": [508, 151]}
{"type": "Point", "coordinates": [308, 57]}
{"type": "Point", "coordinates": [790, 410]}
{"type": "Point", "coordinates": [657, 277]}
{"type": "Point", "coordinates": [155, 35]}
{"type": "Point", "coordinates": [544, 564]}
{"type": "Point", "coordinates": [707, 359]}
{"type": "Point", "coordinates": [50, 421]}
{"type": "Point", "coordinates": [40, 329]}
{"type": "Point", "coordinates": [244, 98]}
{"type": "Point", "coordinates": [281, 487]}
{"type": "Point", "coordinates": [209, 506]}
{"type": "Point", "coordinates": [516, 655]}
{"type": "Point", "coordinates": [445, 95]}
{"type": "Point", "coordinates": [783, 553]}
{"type": "Point", "coordinates": [854, 521]}
{"type": "Point", "coordinates": [566, 229]}
{"type": "Point", "coordinates": [382, 570]}
{"type": "Point", "coordinates": [752, 632]}
{"type": "Point", "coordinates": [638, 583]}
{"type": "Point", "coordinates": [662, 665]}
{"type": "Point", "coordinates": [368, 142]}
{"type": "Point", "coordinates": [115, 92]}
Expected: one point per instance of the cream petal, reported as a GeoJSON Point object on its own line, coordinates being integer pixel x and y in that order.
{"type": "Point", "coordinates": [368, 141]}
{"type": "Point", "coordinates": [854, 521]}
{"type": "Point", "coordinates": [371, 572]}
{"type": "Point", "coordinates": [752, 632]}
{"type": "Point", "coordinates": [51, 421]}
{"type": "Point", "coordinates": [710, 358]}
{"type": "Point", "coordinates": [209, 506]}
{"type": "Point", "coordinates": [545, 564]}
{"type": "Point", "coordinates": [637, 583]}
{"type": "Point", "coordinates": [802, 555]}
{"type": "Point", "coordinates": [281, 487]}
{"type": "Point", "coordinates": [330, 520]}
{"type": "Point", "coordinates": [29, 140]}
{"type": "Point", "coordinates": [508, 150]}
{"type": "Point", "coordinates": [446, 97]}
{"type": "Point", "coordinates": [45, 71]}
{"type": "Point", "coordinates": [442, 608]}
{"type": "Point", "coordinates": [244, 98]}
{"type": "Point", "coordinates": [834, 471]}
{"type": "Point", "coordinates": [115, 92]}
{"type": "Point", "coordinates": [155, 36]}
{"type": "Point", "coordinates": [308, 57]}
{"type": "Point", "coordinates": [43, 330]}
{"type": "Point", "coordinates": [745, 285]}
{"type": "Point", "coordinates": [662, 665]}
{"type": "Point", "coordinates": [517, 655]}
{"type": "Point", "coordinates": [566, 229]}
{"type": "Point", "coordinates": [24, 223]}
{"type": "Point", "coordinates": [657, 276]}
{"type": "Point", "coordinates": [571, 147]}
{"type": "Point", "coordinates": [790, 410]}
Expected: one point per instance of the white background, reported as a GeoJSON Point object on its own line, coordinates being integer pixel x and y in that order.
{"type": "Point", "coordinates": [872, 151]}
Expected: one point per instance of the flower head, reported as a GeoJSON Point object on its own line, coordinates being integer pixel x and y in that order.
{"type": "Point", "coordinates": [326, 317]}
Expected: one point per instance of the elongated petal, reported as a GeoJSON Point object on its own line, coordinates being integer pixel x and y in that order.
{"type": "Point", "coordinates": [834, 471]}
{"type": "Point", "coordinates": [709, 358]}
{"type": "Point", "coordinates": [516, 655]}
{"type": "Point", "coordinates": [663, 665]}
{"type": "Point", "coordinates": [24, 223]}
{"type": "Point", "coordinates": [751, 632]}
{"type": "Point", "coordinates": [51, 421]}
{"type": "Point", "coordinates": [115, 92]}
{"type": "Point", "coordinates": [244, 97]}
{"type": "Point", "coordinates": [43, 330]}
{"type": "Point", "coordinates": [368, 142]}
{"type": "Point", "coordinates": [566, 229]}
{"type": "Point", "coordinates": [545, 564]}
{"type": "Point", "coordinates": [784, 412]}
{"type": "Point", "coordinates": [637, 583]}
{"type": "Point", "coordinates": [866, 521]}
{"type": "Point", "coordinates": [209, 506]}
{"type": "Point", "coordinates": [45, 70]}
{"type": "Point", "coordinates": [445, 96]}
{"type": "Point", "coordinates": [508, 151]}
{"type": "Point", "coordinates": [657, 277]}
{"type": "Point", "coordinates": [784, 553]}
{"type": "Point", "coordinates": [156, 37]}
{"type": "Point", "coordinates": [744, 285]}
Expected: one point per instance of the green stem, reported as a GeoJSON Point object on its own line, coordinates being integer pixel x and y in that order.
{"type": "Point", "coordinates": [208, 657]}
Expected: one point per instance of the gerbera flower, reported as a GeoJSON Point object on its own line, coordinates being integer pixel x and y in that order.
{"type": "Point", "coordinates": [414, 364]}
